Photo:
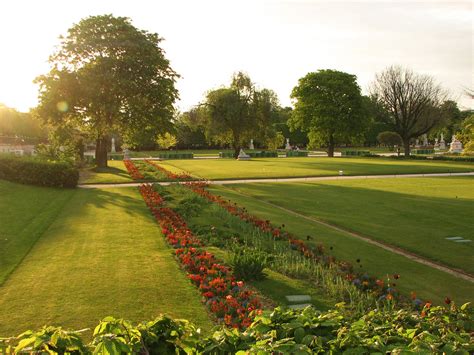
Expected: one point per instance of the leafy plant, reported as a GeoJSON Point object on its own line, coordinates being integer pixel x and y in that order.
{"type": "Point", "coordinates": [248, 264]}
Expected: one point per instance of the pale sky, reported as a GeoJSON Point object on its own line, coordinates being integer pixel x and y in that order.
{"type": "Point", "coordinates": [275, 42]}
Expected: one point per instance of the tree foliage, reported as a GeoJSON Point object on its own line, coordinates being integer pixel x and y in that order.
{"type": "Point", "coordinates": [414, 102]}
{"type": "Point", "coordinates": [389, 138]}
{"type": "Point", "coordinates": [239, 112]}
{"type": "Point", "coordinates": [18, 126]}
{"type": "Point", "coordinates": [328, 105]}
{"type": "Point", "coordinates": [108, 76]}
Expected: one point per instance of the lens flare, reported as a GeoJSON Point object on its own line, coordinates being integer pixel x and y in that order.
{"type": "Point", "coordinates": [62, 106]}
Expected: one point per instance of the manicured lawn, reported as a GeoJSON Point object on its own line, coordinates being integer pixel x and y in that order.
{"type": "Point", "coordinates": [26, 212]}
{"type": "Point", "coordinates": [114, 173]}
{"type": "Point", "coordinates": [215, 169]}
{"type": "Point", "coordinates": [103, 255]}
{"type": "Point", "coordinates": [427, 282]}
{"type": "Point", "coordinates": [415, 214]}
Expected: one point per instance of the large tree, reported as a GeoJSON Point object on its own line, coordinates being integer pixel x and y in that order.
{"type": "Point", "coordinates": [108, 76]}
{"type": "Point", "coordinates": [329, 106]}
{"type": "Point", "coordinates": [414, 101]}
{"type": "Point", "coordinates": [240, 112]}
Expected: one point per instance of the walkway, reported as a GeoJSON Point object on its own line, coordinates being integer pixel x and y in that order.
{"type": "Point", "coordinates": [292, 179]}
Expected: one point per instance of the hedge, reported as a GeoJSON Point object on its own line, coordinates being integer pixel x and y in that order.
{"type": "Point", "coordinates": [422, 151]}
{"type": "Point", "coordinates": [296, 153]}
{"type": "Point", "coordinates": [252, 154]}
{"type": "Point", "coordinates": [175, 155]}
{"type": "Point", "coordinates": [435, 157]}
{"type": "Point", "coordinates": [358, 153]}
{"type": "Point", "coordinates": [36, 172]}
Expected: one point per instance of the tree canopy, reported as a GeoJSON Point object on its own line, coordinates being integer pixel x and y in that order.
{"type": "Point", "coordinates": [240, 112]}
{"type": "Point", "coordinates": [108, 76]}
{"type": "Point", "coordinates": [329, 106]}
{"type": "Point", "coordinates": [414, 101]}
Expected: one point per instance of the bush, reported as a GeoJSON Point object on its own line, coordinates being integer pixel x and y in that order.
{"type": "Point", "coordinates": [172, 155]}
{"type": "Point", "coordinates": [423, 151]}
{"type": "Point", "coordinates": [248, 264]}
{"type": "Point", "coordinates": [36, 172]}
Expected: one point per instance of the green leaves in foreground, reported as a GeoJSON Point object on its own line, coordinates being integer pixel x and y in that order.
{"type": "Point", "coordinates": [435, 330]}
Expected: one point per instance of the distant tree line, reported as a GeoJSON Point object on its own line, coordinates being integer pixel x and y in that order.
{"type": "Point", "coordinates": [110, 79]}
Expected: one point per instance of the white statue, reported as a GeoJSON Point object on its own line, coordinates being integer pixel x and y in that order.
{"type": "Point", "coordinates": [288, 146]}
{"type": "Point", "coordinates": [251, 147]}
{"type": "Point", "coordinates": [113, 146]}
{"type": "Point", "coordinates": [242, 155]}
{"type": "Point", "coordinates": [442, 143]}
{"type": "Point", "coordinates": [455, 146]}
{"type": "Point", "coordinates": [425, 140]}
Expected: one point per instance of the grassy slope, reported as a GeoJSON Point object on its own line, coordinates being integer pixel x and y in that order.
{"type": "Point", "coordinates": [415, 214]}
{"type": "Point", "coordinates": [427, 282]}
{"type": "Point", "coordinates": [290, 167]}
{"type": "Point", "coordinates": [104, 255]}
{"type": "Point", "coordinates": [26, 212]}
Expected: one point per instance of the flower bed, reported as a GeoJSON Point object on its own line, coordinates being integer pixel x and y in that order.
{"type": "Point", "coordinates": [227, 298]}
{"type": "Point", "coordinates": [169, 174]}
{"type": "Point", "coordinates": [133, 170]}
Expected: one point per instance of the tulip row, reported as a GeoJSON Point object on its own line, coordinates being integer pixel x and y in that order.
{"type": "Point", "coordinates": [133, 170]}
{"type": "Point", "coordinates": [228, 299]}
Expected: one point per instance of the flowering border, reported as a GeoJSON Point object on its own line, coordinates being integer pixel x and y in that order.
{"type": "Point", "coordinates": [228, 299]}
{"type": "Point", "coordinates": [169, 174]}
{"type": "Point", "coordinates": [133, 170]}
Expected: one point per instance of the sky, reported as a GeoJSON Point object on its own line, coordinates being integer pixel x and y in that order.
{"type": "Point", "coordinates": [275, 41]}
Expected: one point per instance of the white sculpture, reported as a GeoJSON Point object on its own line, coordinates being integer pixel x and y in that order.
{"type": "Point", "coordinates": [242, 155]}
{"type": "Point", "coordinates": [288, 146]}
{"type": "Point", "coordinates": [251, 147]}
{"type": "Point", "coordinates": [113, 146]}
{"type": "Point", "coordinates": [456, 146]}
{"type": "Point", "coordinates": [442, 143]}
{"type": "Point", "coordinates": [425, 140]}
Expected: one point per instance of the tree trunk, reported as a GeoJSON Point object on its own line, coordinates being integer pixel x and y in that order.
{"type": "Point", "coordinates": [236, 151]}
{"type": "Point", "coordinates": [331, 146]}
{"type": "Point", "coordinates": [101, 152]}
{"type": "Point", "coordinates": [406, 144]}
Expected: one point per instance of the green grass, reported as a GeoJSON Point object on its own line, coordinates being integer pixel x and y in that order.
{"type": "Point", "coordinates": [427, 282]}
{"type": "Point", "coordinates": [26, 212]}
{"type": "Point", "coordinates": [196, 152]}
{"type": "Point", "coordinates": [322, 166]}
{"type": "Point", "coordinates": [114, 173]}
{"type": "Point", "coordinates": [414, 214]}
{"type": "Point", "coordinates": [103, 255]}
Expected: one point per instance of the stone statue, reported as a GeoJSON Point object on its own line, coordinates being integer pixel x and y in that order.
{"type": "Point", "coordinates": [288, 146]}
{"type": "Point", "coordinates": [442, 143]}
{"type": "Point", "coordinates": [456, 146]}
{"type": "Point", "coordinates": [242, 155]}
{"type": "Point", "coordinates": [425, 140]}
{"type": "Point", "coordinates": [251, 147]}
{"type": "Point", "coordinates": [113, 146]}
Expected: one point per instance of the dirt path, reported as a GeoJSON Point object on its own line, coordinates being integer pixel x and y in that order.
{"type": "Point", "coordinates": [293, 179]}
{"type": "Point", "coordinates": [452, 271]}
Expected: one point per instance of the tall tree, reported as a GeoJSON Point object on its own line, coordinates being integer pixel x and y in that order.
{"type": "Point", "coordinates": [239, 112]}
{"type": "Point", "coordinates": [328, 105]}
{"type": "Point", "coordinates": [108, 76]}
{"type": "Point", "coordinates": [414, 102]}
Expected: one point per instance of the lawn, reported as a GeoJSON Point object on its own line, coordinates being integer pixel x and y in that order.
{"type": "Point", "coordinates": [114, 173]}
{"type": "Point", "coordinates": [216, 169]}
{"type": "Point", "coordinates": [414, 214]}
{"type": "Point", "coordinates": [26, 212]}
{"type": "Point", "coordinates": [102, 255]}
{"type": "Point", "coordinates": [427, 282]}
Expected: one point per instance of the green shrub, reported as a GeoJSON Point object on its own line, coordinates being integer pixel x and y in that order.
{"type": "Point", "coordinates": [356, 153]}
{"type": "Point", "coordinates": [296, 153]}
{"type": "Point", "coordinates": [173, 155]}
{"type": "Point", "coordinates": [248, 264]}
{"type": "Point", "coordinates": [37, 172]}
{"type": "Point", "coordinates": [423, 151]}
